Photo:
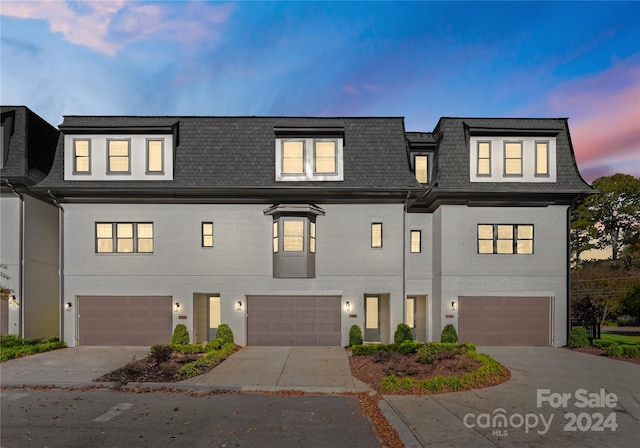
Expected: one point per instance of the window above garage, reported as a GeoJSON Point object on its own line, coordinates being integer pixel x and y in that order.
{"type": "Point", "coordinates": [294, 240]}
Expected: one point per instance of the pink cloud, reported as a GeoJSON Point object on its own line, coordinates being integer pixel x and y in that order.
{"type": "Point", "coordinates": [604, 113]}
{"type": "Point", "coordinates": [107, 26]}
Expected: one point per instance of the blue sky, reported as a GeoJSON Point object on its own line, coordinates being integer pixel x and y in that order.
{"type": "Point", "coordinates": [419, 60]}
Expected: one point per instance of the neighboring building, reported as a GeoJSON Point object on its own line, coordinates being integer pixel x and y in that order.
{"type": "Point", "coordinates": [28, 225]}
{"type": "Point", "coordinates": [292, 229]}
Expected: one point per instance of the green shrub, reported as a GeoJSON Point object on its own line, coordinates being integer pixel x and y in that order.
{"type": "Point", "coordinates": [431, 351]}
{"type": "Point", "coordinates": [355, 335]}
{"type": "Point", "coordinates": [10, 340]}
{"type": "Point", "coordinates": [406, 347]}
{"type": "Point", "coordinates": [224, 333]}
{"type": "Point", "coordinates": [630, 351]}
{"type": "Point", "coordinates": [180, 335]}
{"type": "Point", "coordinates": [368, 349]}
{"type": "Point", "coordinates": [7, 353]}
{"type": "Point", "coordinates": [216, 344]}
{"type": "Point", "coordinates": [613, 350]}
{"type": "Point", "coordinates": [161, 352]}
{"type": "Point", "coordinates": [403, 333]}
{"type": "Point", "coordinates": [578, 337]}
{"type": "Point", "coordinates": [188, 349]}
{"type": "Point", "coordinates": [601, 343]}
{"type": "Point", "coordinates": [449, 334]}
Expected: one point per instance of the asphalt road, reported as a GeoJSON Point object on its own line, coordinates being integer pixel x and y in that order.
{"type": "Point", "coordinates": [108, 418]}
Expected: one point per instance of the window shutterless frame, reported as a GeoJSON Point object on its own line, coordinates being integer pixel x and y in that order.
{"type": "Point", "coordinates": [155, 156]}
{"type": "Point", "coordinates": [293, 157]}
{"type": "Point", "coordinates": [505, 239]}
{"type": "Point", "coordinates": [421, 168]}
{"type": "Point", "coordinates": [512, 158]}
{"type": "Point", "coordinates": [325, 156]}
{"type": "Point", "coordinates": [542, 158]}
{"type": "Point", "coordinates": [416, 241]}
{"type": "Point", "coordinates": [119, 156]}
{"type": "Point", "coordinates": [207, 234]}
{"type": "Point", "coordinates": [483, 165]}
{"type": "Point", "coordinates": [81, 156]}
{"type": "Point", "coordinates": [376, 235]}
{"type": "Point", "coordinates": [124, 237]}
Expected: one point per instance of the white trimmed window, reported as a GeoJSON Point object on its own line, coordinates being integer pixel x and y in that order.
{"type": "Point", "coordinates": [416, 241]}
{"type": "Point", "coordinates": [309, 159]}
{"type": "Point", "coordinates": [293, 157]}
{"type": "Point", "coordinates": [505, 239]}
{"type": "Point", "coordinates": [124, 237]}
{"type": "Point", "coordinates": [376, 235]}
{"type": "Point", "coordinates": [484, 158]}
{"type": "Point", "coordinates": [513, 158]}
{"type": "Point", "coordinates": [155, 156]}
{"type": "Point", "coordinates": [118, 156]}
{"type": "Point", "coordinates": [207, 234]}
{"type": "Point", "coordinates": [325, 157]}
{"type": "Point", "coordinates": [542, 158]}
{"type": "Point", "coordinates": [421, 168]}
{"type": "Point", "coordinates": [82, 156]}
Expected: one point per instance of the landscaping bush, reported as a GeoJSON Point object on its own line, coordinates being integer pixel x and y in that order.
{"type": "Point", "coordinates": [12, 346]}
{"type": "Point", "coordinates": [403, 333]}
{"type": "Point", "coordinates": [10, 340]}
{"type": "Point", "coordinates": [369, 349]}
{"type": "Point", "coordinates": [180, 335]}
{"type": "Point", "coordinates": [630, 351]}
{"type": "Point", "coordinates": [578, 337]}
{"type": "Point", "coordinates": [431, 351]}
{"type": "Point", "coordinates": [613, 350]}
{"type": "Point", "coordinates": [216, 344]}
{"type": "Point", "coordinates": [406, 347]}
{"type": "Point", "coordinates": [449, 334]}
{"type": "Point", "coordinates": [601, 343]}
{"type": "Point", "coordinates": [355, 335]}
{"type": "Point", "coordinates": [188, 349]}
{"type": "Point", "coordinates": [224, 333]}
{"type": "Point", "coordinates": [161, 352]}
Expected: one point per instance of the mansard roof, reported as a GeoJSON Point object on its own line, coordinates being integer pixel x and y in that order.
{"type": "Point", "coordinates": [29, 146]}
{"type": "Point", "coordinates": [218, 154]}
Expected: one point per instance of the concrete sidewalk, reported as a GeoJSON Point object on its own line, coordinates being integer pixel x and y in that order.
{"type": "Point", "coordinates": [68, 367]}
{"type": "Point", "coordinates": [308, 369]}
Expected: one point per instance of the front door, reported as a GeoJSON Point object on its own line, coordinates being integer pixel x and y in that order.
{"type": "Point", "coordinates": [214, 316]}
{"type": "Point", "coordinates": [410, 317]}
{"type": "Point", "coordinates": [372, 319]}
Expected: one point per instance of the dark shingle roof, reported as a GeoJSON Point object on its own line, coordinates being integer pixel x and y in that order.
{"type": "Point", "coordinates": [32, 146]}
{"type": "Point", "coordinates": [239, 152]}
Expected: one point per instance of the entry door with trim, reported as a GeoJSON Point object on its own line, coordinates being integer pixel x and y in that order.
{"type": "Point", "coordinates": [372, 318]}
{"type": "Point", "coordinates": [410, 317]}
{"type": "Point", "coordinates": [214, 316]}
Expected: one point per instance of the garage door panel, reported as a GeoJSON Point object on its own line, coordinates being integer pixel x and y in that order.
{"type": "Point", "coordinates": [288, 320]}
{"type": "Point", "coordinates": [504, 320]}
{"type": "Point", "coordinates": [124, 320]}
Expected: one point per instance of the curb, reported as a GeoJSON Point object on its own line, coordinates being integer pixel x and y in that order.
{"type": "Point", "coordinates": [395, 420]}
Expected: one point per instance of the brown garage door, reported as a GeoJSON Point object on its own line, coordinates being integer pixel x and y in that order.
{"type": "Point", "coordinates": [124, 320]}
{"type": "Point", "coordinates": [286, 320]}
{"type": "Point", "coordinates": [504, 320]}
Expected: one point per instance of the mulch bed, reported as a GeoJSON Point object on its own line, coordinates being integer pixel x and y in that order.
{"type": "Point", "coordinates": [372, 369]}
{"type": "Point", "coordinates": [599, 352]}
{"type": "Point", "coordinates": [146, 370]}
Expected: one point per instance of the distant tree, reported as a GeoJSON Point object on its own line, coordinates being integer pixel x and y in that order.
{"type": "Point", "coordinates": [612, 216]}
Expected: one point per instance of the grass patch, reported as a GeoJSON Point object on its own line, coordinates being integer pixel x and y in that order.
{"type": "Point", "coordinates": [13, 346]}
{"type": "Point", "coordinates": [620, 339]}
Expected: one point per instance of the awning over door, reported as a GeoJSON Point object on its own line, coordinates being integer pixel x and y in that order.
{"type": "Point", "coordinates": [124, 320]}
{"type": "Point", "coordinates": [293, 320]}
{"type": "Point", "coordinates": [504, 320]}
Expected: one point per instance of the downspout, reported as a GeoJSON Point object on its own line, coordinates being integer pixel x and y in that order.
{"type": "Point", "coordinates": [568, 326]}
{"type": "Point", "coordinates": [60, 264]}
{"type": "Point", "coordinates": [404, 257]}
{"type": "Point", "coordinates": [21, 258]}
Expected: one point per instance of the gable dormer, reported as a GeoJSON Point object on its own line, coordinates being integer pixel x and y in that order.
{"type": "Point", "coordinates": [123, 153]}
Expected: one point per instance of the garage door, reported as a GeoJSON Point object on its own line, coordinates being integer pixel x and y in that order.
{"type": "Point", "coordinates": [124, 320]}
{"type": "Point", "coordinates": [287, 320]}
{"type": "Point", "coordinates": [504, 320]}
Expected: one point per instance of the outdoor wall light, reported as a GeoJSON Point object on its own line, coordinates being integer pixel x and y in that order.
{"type": "Point", "coordinates": [453, 305]}
{"type": "Point", "coordinates": [238, 305]}
{"type": "Point", "coordinates": [176, 307]}
{"type": "Point", "coordinates": [67, 306]}
{"type": "Point", "coordinates": [13, 301]}
{"type": "Point", "coordinates": [347, 306]}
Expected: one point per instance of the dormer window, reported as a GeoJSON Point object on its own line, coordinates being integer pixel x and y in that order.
{"type": "Point", "coordinates": [309, 154]}
{"type": "Point", "coordinates": [155, 156]}
{"type": "Point", "coordinates": [82, 156]}
{"type": "Point", "coordinates": [421, 168]}
{"type": "Point", "coordinates": [512, 158]}
{"type": "Point", "coordinates": [118, 156]}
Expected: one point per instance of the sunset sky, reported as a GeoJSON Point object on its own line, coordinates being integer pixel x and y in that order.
{"type": "Point", "coordinates": [419, 60]}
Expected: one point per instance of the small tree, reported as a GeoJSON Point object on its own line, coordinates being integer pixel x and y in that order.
{"type": "Point", "coordinates": [449, 334]}
{"type": "Point", "coordinates": [355, 335]}
{"type": "Point", "coordinates": [403, 333]}
{"type": "Point", "coordinates": [180, 335]}
{"type": "Point", "coordinates": [225, 334]}
{"type": "Point", "coordinates": [578, 337]}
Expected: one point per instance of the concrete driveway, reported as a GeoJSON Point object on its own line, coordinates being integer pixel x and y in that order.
{"type": "Point", "coordinates": [309, 369]}
{"type": "Point", "coordinates": [534, 417]}
{"type": "Point", "coordinates": [75, 366]}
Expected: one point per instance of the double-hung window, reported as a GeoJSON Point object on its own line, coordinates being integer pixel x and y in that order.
{"type": "Point", "coordinates": [82, 156]}
{"type": "Point", "coordinates": [293, 157]}
{"type": "Point", "coordinates": [325, 156]}
{"type": "Point", "coordinates": [118, 156]}
{"type": "Point", "coordinates": [421, 168]}
{"type": "Point", "coordinates": [512, 158]}
{"type": "Point", "coordinates": [155, 157]}
{"type": "Point", "coordinates": [293, 235]}
{"type": "Point", "coordinates": [124, 237]}
{"type": "Point", "coordinates": [207, 234]}
{"type": "Point", "coordinates": [484, 158]}
{"type": "Point", "coordinates": [505, 239]}
{"type": "Point", "coordinates": [416, 241]}
{"type": "Point", "coordinates": [542, 158]}
{"type": "Point", "coordinates": [376, 235]}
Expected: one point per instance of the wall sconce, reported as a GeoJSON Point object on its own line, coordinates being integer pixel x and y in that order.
{"type": "Point", "coordinates": [13, 301]}
{"type": "Point", "coordinates": [67, 306]}
{"type": "Point", "coordinates": [238, 305]}
{"type": "Point", "coordinates": [176, 307]}
{"type": "Point", "coordinates": [453, 305]}
{"type": "Point", "coordinates": [347, 306]}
